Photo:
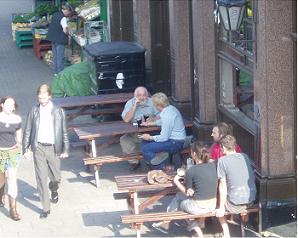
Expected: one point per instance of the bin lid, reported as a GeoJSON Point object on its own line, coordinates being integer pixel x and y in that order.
{"type": "Point", "coordinates": [114, 47]}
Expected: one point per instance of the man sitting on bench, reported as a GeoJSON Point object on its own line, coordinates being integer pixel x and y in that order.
{"type": "Point", "coordinates": [236, 182]}
{"type": "Point", "coordinates": [137, 108]}
{"type": "Point", "coordinates": [220, 130]}
{"type": "Point", "coordinates": [171, 138]}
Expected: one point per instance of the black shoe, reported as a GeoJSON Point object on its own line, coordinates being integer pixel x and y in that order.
{"type": "Point", "coordinates": [44, 214]}
{"type": "Point", "coordinates": [54, 197]}
{"type": "Point", "coordinates": [134, 166]}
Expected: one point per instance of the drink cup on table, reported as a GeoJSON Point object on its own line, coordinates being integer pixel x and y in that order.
{"type": "Point", "coordinates": [146, 117]}
{"type": "Point", "coordinates": [139, 121]}
{"type": "Point", "coordinates": [181, 172]}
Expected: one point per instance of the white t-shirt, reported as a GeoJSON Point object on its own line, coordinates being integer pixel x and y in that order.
{"type": "Point", "coordinates": [63, 22]}
{"type": "Point", "coordinates": [46, 124]}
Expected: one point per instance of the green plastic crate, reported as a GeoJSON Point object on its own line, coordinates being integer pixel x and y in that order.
{"type": "Point", "coordinates": [19, 39]}
{"type": "Point", "coordinates": [24, 43]}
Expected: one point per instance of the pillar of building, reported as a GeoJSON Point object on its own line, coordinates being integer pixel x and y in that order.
{"type": "Point", "coordinates": [274, 99]}
{"type": "Point", "coordinates": [121, 20]}
{"type": "Point", "coordinates": [204, 62]}
{"type": "Point", "coordinates": [180, 55]}
{"type": "Point", "coordinates": [141, 26]}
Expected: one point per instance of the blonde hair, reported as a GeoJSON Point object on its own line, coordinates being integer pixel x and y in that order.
{"type": "Point", "coordinates": [160, 99]}
{"type": "Point", "coordinates": [229, 142]}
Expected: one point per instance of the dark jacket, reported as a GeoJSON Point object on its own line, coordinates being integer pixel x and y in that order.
{"type": "Point", "coordinates": [55, 30]}
{"type": "Point", "coordinates": [60, 130]}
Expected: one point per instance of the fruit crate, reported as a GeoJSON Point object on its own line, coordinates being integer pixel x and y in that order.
{"type": "Point", "coordinates": [40, 47]}
{"type": "Point", "coordinates": [23, 38]}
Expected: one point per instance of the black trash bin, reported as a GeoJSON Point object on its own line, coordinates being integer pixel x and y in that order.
{"type": "Point", "coordinates": [115, 67]}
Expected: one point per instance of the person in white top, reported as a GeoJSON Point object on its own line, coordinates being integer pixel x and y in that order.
{"type": "Point", "coordinates": [58, 35]}
{"type": "Point", "coordinates": [45, 134]}
{"type": "Point", "coordinates": [10, 152]}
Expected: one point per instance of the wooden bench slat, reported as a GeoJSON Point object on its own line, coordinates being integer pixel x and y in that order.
{"type": "Point", "coordinates": [169, 216]}
{"type": "Point", "coordinates": [105, 159]}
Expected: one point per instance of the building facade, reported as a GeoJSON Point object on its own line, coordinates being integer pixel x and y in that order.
{"type": "Point", "coordinates": [247, 78]}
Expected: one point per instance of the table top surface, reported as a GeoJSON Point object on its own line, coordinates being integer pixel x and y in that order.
{"type": "Point", "coordinates": [114, 128]}
{"type": "Point", "coordinates": [138, 182]}
{"type": "Point", "coordinates": [111, 128]}
{"type": "Point", "coordinates": [103, 99]}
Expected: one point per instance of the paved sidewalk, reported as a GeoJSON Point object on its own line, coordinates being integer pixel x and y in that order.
{"type": "Point", "coordinates": [82, 210]}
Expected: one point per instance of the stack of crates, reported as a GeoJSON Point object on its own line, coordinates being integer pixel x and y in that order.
{"type": "Point", "coordinates": [23, 38]}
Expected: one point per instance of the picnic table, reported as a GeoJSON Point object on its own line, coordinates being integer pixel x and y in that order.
{"type": "Point", "coordinates": [138, 183]}
{"type": "Point", "coordinates": [135, 183]}
{"type": "Point", "coordinates": [112, 128]}
{"type": "Point", "coordinates": [84, 104]}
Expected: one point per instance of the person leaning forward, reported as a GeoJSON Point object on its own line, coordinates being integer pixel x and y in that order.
{"type": "Point", "coordinates": [45, 134]}
{"type": "Point", "coordinates": [156, 149]}
{"type": "Point", "coordinates": [137, 108]}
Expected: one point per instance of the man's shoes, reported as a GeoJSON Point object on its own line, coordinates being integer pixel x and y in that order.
{"type": "Point", "coordinates": [44, 214]}
{"type": "Point", "coordinates": [134, 166]}
{"type": "Point", "coordinates": [159, 158]}
{"type": "Point", "coordinates": [54, 197]}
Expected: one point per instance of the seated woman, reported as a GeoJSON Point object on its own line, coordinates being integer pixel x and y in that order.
{"type": "Point", "coordinates": [199, 189]}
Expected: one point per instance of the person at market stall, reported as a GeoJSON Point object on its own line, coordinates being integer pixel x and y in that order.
{"type": "Point", "coordinates": [45, 134]}
{"type": "Point", "coordinates": [220, 130]}
{"type": "Point", "coordinates": [172, 136]}
{"type": "Point", "coordinates": [137, 108]}
{"type": "Point", "coordinates": [58, 35]}
{"type": "Point", "coordinates": [10, 152]}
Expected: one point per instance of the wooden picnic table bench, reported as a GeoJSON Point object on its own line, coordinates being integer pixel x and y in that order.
{"type": "Point", "coordinates": [108, 159]}
{"type": "Point", "coordinates": [136, 220]}
{"type": "Point", "coordinates": [85, 103]}
{"type": "Point", "coordinates": [135, 185]}
{"type": "Point", "coordinates": [113, 128]}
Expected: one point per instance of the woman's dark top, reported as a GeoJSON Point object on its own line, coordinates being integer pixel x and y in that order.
{"type": "Point", "coordinates": [202, 178]}
{"type": "Point", "coordinates": [8, 134]}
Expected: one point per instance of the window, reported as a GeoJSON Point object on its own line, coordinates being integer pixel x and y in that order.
{"type": "Point", "coordinates": [235, 52]}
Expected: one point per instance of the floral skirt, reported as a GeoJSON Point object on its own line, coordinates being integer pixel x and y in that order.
{"type": "Point", "coordinates": [9, 158]}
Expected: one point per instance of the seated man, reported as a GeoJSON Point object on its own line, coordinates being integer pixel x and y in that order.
{"type": "Point", "coordinates": [220, 130]}
{"type": "Point", "coordinates": [236, 182]}
{"type": "Point", "coordinates": [171, 137]}
{"type": "Point", "coordinates": [136, 108]}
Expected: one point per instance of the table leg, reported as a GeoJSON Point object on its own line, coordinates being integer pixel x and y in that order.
{"type": "Point", "coordinates": [136, 211]}
{"type": "Point", "coordinates": [94, 153]}
{"type": "Point", "coordinates": [136, 203]}
{"type": "Point", "coordinates": [138, 233]}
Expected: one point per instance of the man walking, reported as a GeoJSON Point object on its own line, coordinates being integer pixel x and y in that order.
{"type": "Point", "coordinates": [58, 35]}
{"type": "Point", "coordinates": [138, 108]}
{"type": "Point", "coordinates": [236, 177]}
{"type": "Point", "coordinates": [45, 134]}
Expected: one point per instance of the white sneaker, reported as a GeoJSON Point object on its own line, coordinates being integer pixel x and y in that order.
{"type": "Point", "coordinates": [159, 158]}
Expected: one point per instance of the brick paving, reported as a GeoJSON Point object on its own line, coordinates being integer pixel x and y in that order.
{"type": "Point", "coordinates": [83, 210]}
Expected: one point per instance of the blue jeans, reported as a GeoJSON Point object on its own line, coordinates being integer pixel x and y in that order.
{"type": "Point", "coordinates": [150, 148]}
{"type": "Point", "coordinates": [58, 57]}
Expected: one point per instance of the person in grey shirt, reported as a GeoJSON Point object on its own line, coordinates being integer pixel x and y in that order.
{"type": "Point", "coordinates": [137, 108]}
{"type": "Point", "coordinates": [237, 186]}
{"type": "Point", "coordinates": [171, 137]}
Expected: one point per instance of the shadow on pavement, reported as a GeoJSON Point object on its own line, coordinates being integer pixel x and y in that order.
{"type": "Point", "coordinates": [29, 194]}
